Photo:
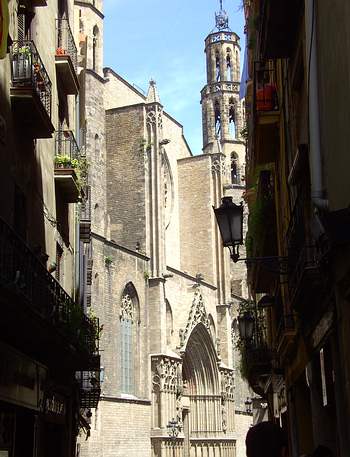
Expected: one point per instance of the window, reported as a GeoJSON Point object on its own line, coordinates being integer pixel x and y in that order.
{"type": "Point", "coordinates": [95, 37]}
{"type": "Point", "coordinates": [232, 118]}
{"type": "Point", "coordinates": [217, 66]}
{"type": "Point", "coordinates": [217, 118]}
{"type": "Point", "coordinates": [235, 178]}
{"type": "Point", "coordinates": [228, 65]}
{"type": "Point", "coordinates": [129, 325]}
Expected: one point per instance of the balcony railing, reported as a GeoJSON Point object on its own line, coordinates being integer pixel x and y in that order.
{"type": "Point", "coordinates": [65, 42]}
{"type": "Point", "coordinates": [89, 383]}
{"type": "Point", "coordinates": [67, 148]}
{"type": "Point", "coordinates": [26, 278]}
{"type": "Point", "coordinates": [265, 90]}
{"type": "Point", "coordinates": [28, 70]}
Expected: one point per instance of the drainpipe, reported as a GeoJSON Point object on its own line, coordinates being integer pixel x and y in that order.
{"type": "Point", "coordinates": [315, 158]}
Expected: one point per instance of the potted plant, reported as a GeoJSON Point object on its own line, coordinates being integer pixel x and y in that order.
{"type": "Point", "coordinates": [21, 63]}
{"type": "Point", "coordinates": [65, 161]}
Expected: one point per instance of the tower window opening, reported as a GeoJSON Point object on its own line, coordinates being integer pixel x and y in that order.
{"type": "Point", "coordinates": [232, 121]}
{"type": "Point", "coordinates": [228, 66]}
{"type": "Point", "coordinates": [217, 67]}
{"type": "Point", "coordinates": [95, 34]}
{"type": "Point", "coordinates": [217, 115]}
{"type": "Point", "coordinates": [235, 179]}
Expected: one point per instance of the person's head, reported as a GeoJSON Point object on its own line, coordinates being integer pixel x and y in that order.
{"type": "Point", "coordinates": [266, 439]}
{"type": "Point", "coordinates": [322, 451]}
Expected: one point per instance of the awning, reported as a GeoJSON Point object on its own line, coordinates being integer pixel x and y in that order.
{"type": "Point", "coordinates": [4, 27]}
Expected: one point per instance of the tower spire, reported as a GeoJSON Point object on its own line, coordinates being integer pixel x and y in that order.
{"type": "Point", "coordinates": [221, 18]}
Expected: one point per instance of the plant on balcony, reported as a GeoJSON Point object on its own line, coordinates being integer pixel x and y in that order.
{"type": "Point", "coordinates": [64, 161]}
{"type": "Point", "coordinates": [61, 51]}
{"type": "Point", "coordinates": [98, 329]}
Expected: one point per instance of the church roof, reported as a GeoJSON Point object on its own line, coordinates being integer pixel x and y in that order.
{"type": "Point", "coordinates": [152, 94]}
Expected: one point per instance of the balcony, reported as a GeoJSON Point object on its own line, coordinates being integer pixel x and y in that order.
{"type": "Point", "coordinates": [67, 156]}
{"type": "Point", "coordinates": [89, 388]}
{"type": "Point", "coordinates": [307, 281]}
{"type": "Point", "coordinates": [262, 233]}
{"type": "Point", "coordinates": [30, 90]}
{"type": "Point", "coordinates": [37, 315]}
{"type": "Point", "coordinates": [85, 216]}
{"type": "Point", "coordinates": [286, 332]}
{"type": "Point", "coordinates": [279, 27]}
{"type": "Point", "coordinates": [39, 2]}
{"type": "Point", "coordinates": [266, 104]}
{"type": "Point", "coordinates": [66, 58]}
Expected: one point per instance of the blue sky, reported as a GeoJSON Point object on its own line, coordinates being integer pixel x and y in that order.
{"type": "Point", "coordinates": [164, 40]}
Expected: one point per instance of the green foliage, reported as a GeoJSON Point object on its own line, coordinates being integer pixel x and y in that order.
{"type": "Point", "coordinates": [146, 275]}
{"type": "Point", "coordinates": [108, 260]}
{"type": "Point", "coordinates": [64, 161]}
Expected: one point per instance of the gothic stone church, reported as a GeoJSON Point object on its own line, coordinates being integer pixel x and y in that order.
{"type": "Point", "coordinates": [160, 279]}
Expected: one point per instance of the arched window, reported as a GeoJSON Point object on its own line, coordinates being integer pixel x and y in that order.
{"type": "Point", "coordinates": [129, 325]}
{"type": "Point", "coordinates": [235, 179]}
{"type": "Point", "coordinates": [95, 38]}
{"type": "Point", "coordinates": [217, 116]}
{"type": "Point", "coordinates": [169, 323]}
{"type": "Point", "coordinates": [232, 118]}
{"type": "Point", "coordinates": [228, 65]}
{"type": "Point", "coordinates": [217, 66]}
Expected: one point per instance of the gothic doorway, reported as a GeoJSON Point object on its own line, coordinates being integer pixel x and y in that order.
{"type": "Point", "coordinates": [204, 421]}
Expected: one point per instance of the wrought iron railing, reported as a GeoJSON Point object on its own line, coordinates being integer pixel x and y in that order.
{"type": "Point", "coordinates": [265, 88]}
{"type": "Point", "coordinates": [302, 253]}
{"type": "Point", "coordinates": [65, 42]}
{"type": "Point", "coordinates": [89, 383]}
{"type": "Point", "coordinates": [67, 149]}
{"type": "Point", "coordinates": [23, 274]}
{"type": "Point", "coordinates": [28, 70]}
{"type": "Point", "coordinates": [286, 323]}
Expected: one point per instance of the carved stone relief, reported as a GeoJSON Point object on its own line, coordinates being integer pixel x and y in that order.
{"type": "Point", "coordinates": [126, 308]}
{"type": "Point", "coordinates": [197, 315]}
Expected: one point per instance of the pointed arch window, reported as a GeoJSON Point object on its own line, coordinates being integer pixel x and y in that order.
{"type": "Point", "coordinates": [232, 118]}
{"type": "Point", "coordinates": [228, 65]}
{"type": "Point", "coordinates": [217, 67]}
{"type": "Point", "coordinates": [95, 37]}
{"type": "Point", "coordinates": [235, 179]}
{"type": "Point", "coordinates": [129, 325]}
{"type": "Point", "coordinates": [217, 116]}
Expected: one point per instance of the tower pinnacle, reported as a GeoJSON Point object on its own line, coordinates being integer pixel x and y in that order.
{"type": "Point", "coordinates": [221, 18]}
{"type": "Point", "coordinates": [152, 95]}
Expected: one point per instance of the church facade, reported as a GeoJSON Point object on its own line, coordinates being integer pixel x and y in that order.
{"type": "Point", "coordinates": [158, 278]}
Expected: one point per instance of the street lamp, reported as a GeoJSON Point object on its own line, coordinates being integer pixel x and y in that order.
{"type": "Point", "coordinates": [246, 324]}
{"type": "Point", "coordinates": [248, 405]}
{"type": "Point", "coordinates": [229, 217]}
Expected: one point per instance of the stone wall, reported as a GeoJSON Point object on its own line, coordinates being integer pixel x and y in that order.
{"type": "Point", "coordinates": [126, 176]}
{"type": "Point", "coordinates": [120, 428]}
{"type": "Point", "coordinates": [196, 223]}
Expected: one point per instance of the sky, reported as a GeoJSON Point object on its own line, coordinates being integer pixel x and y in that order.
{"type": "Point", "coordinates": [164, 40]}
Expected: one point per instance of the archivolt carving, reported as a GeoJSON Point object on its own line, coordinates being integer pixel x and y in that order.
{"type": "Point", "coordinates": [227, 393]}
{"type": "Point", "coordinates": [197, 314]}
{"type": "Point", "coordinates": [167, 375]}
{"type": "Point", "coordinates": [227, 383]}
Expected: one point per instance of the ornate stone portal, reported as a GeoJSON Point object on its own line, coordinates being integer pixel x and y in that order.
{"type": "Point", "coordinates": [195, 391]}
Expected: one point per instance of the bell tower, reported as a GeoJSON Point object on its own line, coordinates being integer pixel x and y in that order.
{"type": "Point", "coordinates": [222, 115]}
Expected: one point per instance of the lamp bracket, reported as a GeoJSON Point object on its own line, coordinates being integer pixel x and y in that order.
{"type": "Point", "coordinates": [274, 264]}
